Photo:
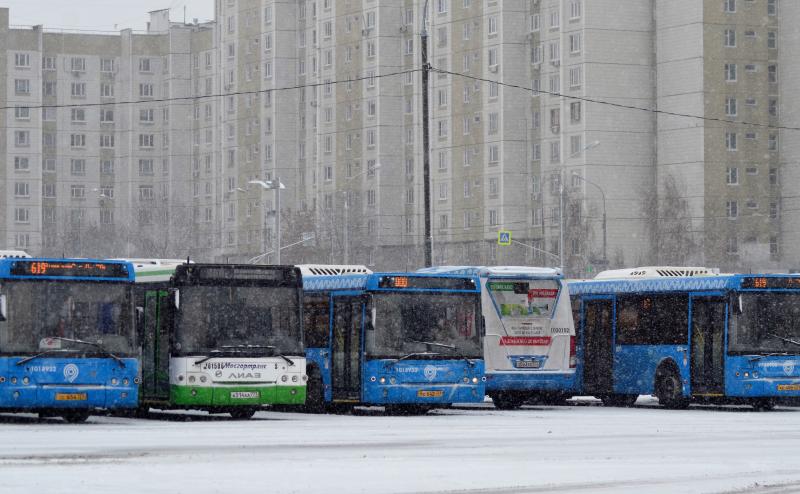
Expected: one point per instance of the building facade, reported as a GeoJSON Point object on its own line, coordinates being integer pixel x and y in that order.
{"type": "Point", "coordinates": [553, 119]}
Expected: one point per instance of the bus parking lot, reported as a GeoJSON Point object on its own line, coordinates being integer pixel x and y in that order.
{"type": "Point", "coordinates": [581, 447]}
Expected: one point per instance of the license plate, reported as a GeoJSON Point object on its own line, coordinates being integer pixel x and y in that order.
{"type": "Point", "coordinates": [788, 387]}
{"type": "Point", "coordinates": [245, 394]}
{"type": "Point", "coordinates": [430, 394]}
{"type": "Point", "coordinates": [71, 397]}
{"type": "Point", "coordinates": [527, 364]}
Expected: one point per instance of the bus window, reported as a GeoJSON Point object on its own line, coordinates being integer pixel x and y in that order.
{"type": "Point", "coordinates": [529, 298]}
{"type": "Point", "coordinates": [652, 319]}
{"type": "Point", "coordinates": [317, 318]}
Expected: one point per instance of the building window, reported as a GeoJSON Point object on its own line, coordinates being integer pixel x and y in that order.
{"type": "Point", "coordinates": [732, 176]}
{"type": "Point", "coordinates": [773, 107]}
{"type": "Point", "coordinates": [493, 220]}
{"type": "Point", "coordinates": [730, 38]}
{"type": "Point", "coordinates": [729, 6]}
{"type": "Point", "coordinates": [22, 86]}
{"type": "Point", "coordinates": [575, 43]}
{"type": "Point", "coordinates": [730, 141]}
{"type": "Point", "coordinates": [78, 115]}
{"type": "Point", "coordinates": [575, 9]}
{"type": "Point", "coordinates": [21, 164]}
{"type": "Point", "coordinates": [146, 140]}
{"type": "Point", "coordinates": [772, 74]}
{"type": "Point", "coordinates": [78, 89]}
{"type": "Point", "coordinates": [146, 167]}
{"type": "Point", "coordinates": [773, 177]}
{"type": "Point", "coordinates": [492, 27]}
{"type": "Point", "coordinates": [77, 191]}
{"type": "Point", "coordinates": [22, 189]}
{"type": "Point", "coordinates": [730, 107]}
{"type": "Point", "coordinates": [48, 63]}
{"type": "Point", "coordinates": [730, 72]}
{"type": "Point", "coordinates": [77, 64]}
{"type": "Point", "coordinates": [574, 111]}
{"type": "Point", "coordinates": [575, 77]}
{"type": "Point", "coordinates": [77, 167]}
{"type": "Point", "coordinates": [732, 209]}
{"type": "Point", "coordinates": [494, 154]}
{"type": "Point", "coordinates": [77, 140]}
{"type": "Point", "coordinates": [772, 7]}
{"type": "Point", "coordinates": [733, 245]}
{"type": "Point", "coordinates": [443, 191]}
{"type": "Point", "coordinates": [772, 40]}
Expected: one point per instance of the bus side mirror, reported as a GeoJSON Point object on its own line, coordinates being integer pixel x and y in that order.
{"type": "Point", "coordinates": [370, 315]}
{"type": "Point", "coordinates": [176, 298]}
{"type": "Point", "coordinates": [736, 305]}
{"type": "Point", "coordinates": [483, 326]}
{"type": "Point", "coordinates": [3, 308]}
{"type": "Point", "coordinates": [139, 315]}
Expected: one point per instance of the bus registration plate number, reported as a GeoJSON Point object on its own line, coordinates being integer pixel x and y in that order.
{"type": "Point", "coordinates": [526, 364]}
{"type": "Point", "coordinates": [788, 387]}
{"type": "Point", "coordinates": [71, 397]}
{"type": "Point", "coordinates": [244, 395]}
{"type": "Point", "coordinates": [429, 394]}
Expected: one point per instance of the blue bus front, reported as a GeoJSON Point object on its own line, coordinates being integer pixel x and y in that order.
{"type": "Point", "coordinates": [423, 341]}
{"type": "Point", "coordinates": [67, 337]}
{"type": "Point", "coordinates": [763, 344]}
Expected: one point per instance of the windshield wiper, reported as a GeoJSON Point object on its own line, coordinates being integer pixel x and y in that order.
{"type": "Point", "coordinates": [787, 340]}
{"type": "Point", "coordinates": [444, 345]}
{"type": "Point", "coordinates": [80, 342]}
{"type": "Point", "coordinates": [415, 354]}
{"type": "Point", "coordinates": [773, 354]}
{"type": "Point", "coordinates": [42, 354]}
{"type": "Point", "coordinates": [238, 349]}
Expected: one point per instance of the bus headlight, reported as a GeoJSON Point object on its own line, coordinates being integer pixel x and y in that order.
{"type": "Point", "coordinates": [25, 380]}
{"type": "Point", "coordinates": [114, 381]}
{"type": "Point", "coordinates": [192, 379]}
{"type": "Point", "coordinates": [136, 380]}
{"type": "Point", "coordinates": [305, 378]}
{"type": "Point", "coordinates": [755, 374]}
{"type": "Point", "coordinates": [284, 378]}
{"type": "Point", "coordinates": [203, 379]}
{"type": "Point", "coordinates": [383, 380]}
{"type": "Point", "coordinates": [466, 380]}
{"type": "Point", "coordinates": [180, 377]}
{"type": "Point", "coordinates": [392, 380]}
{"type": "Point", "coordinates": [294, 379]}
{"type": "Point", "coordinates": [474, 380]}
{"type": "Point", "coordinates": [125, 381]}
{"type": "Point", "coordinates": [13, 380]}
{"type": "Point", "coordinates": [2, 379]}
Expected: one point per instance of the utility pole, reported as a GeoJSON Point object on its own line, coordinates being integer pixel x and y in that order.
{"type": "Point", "coordinates": [426, 151]}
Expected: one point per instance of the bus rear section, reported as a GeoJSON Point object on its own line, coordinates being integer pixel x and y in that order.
{"type": "Point", "coordinates": [67, 337]}
{"type": "Point", "coordinates": [223, 338]}
{"type": "Point", "coordinates": [404, 341]}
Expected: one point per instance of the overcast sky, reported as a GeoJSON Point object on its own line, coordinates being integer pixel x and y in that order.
{"type": "Point", "coordinates": [111, 15]}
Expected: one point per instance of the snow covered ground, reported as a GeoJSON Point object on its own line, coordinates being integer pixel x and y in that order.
{"type": "Point", "coordinates": [578, 448]}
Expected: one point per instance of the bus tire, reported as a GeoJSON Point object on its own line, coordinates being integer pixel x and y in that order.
{"type": "Point", "coordinates": [505, 400]}
{"type": "Point", "coordinates": [669, 389]}
{"type": "Point", "coordinates": [242, 413]}
{"type": "Point", "coordinates": [315, 392]}
{"type": "Point", "coordinates": [75, 416]}
{"type": "Point", "coordinates": [763, 404]}
{"type": "Point", "coordinates": [618, 400]}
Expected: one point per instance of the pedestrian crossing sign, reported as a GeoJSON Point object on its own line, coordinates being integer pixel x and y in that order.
{"type": "Point", "coordinates": [504, 237]}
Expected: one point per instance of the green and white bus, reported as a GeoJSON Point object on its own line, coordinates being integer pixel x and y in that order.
{"type": "Point", "coordinates": [224, 338]}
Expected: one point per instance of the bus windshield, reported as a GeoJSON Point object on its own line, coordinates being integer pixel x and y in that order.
{"type": "Point", "coordinates": [238, 319]}
{"type": "Point", "coordinates": [769, 323]}
{"type": "Point", "coordinates": [46, 315]}
{"type": "Point", "coordinates": [406, 323]}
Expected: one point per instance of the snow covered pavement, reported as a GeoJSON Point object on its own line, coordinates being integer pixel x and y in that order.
{"type": "Point", "coordinates": [537, 449]}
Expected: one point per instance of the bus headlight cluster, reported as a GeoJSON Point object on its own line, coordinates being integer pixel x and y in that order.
{"type": "Point", "coordinates": [13, 380]}
{"type": "Point", "coordinates": [125, 381]}
{"type": "Point", "coordinates": [305, 378]}
{"type": "Point", "coordinates": [284, 378]}
{"type": "Point", "coordinates": [192, 379]}
{"type": "Point", "coordinates": [294, 379]}
{"type": "Point", "coordinates": [474, 380]}
{"type": "Point", "coordinates": [466, 379]}
{"type": "Point", "coordinates": [383, 380]}
{"type": "Point", "coordinates": [203, 379]}
{"type": "Point", "coordinates": [25, 380]}
{"type": "Point", "coordinates": [114, 381]}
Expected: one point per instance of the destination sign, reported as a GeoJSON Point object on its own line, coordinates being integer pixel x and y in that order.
{"type": "Point", "coordinates": [426, 282]}
{"type": "Point", "coordinates": [244, 273]}
{"type": "Point", "coordinates": [771, 282]}
{"type": "Point", "coordinates": [69, 269]}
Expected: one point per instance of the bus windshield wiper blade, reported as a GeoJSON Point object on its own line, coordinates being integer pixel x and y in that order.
{"type": "Point", "coordinates": [234, 349]}
{"type": "Point", "coordinates": [434, 343]}
{"type": "Point", "coordinates": [787, 340]}
{"type": "Point", "coordinates": [94, 344]}
{"type": "Point", "coordinates": [771, 354]}
{"type": "Point", "coordinates": [415, 354]}
{"type": "Point", "coordinates": [42, 354]}
{"type": "Point", "coordinates": [216, 353]}
{"type": "Point", "coordinates": [267, 347]}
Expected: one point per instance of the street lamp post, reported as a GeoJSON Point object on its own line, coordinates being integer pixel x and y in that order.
{"type": "Point", "coordinates": [603, 196]}
{"type": "Point", "coordinates": [275, 185]}
{"type": "Point", "coordinates": [426, 151]}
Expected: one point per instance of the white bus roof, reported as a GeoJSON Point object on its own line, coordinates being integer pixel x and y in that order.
{"type": "Point", "coordinates": [332, 269]}
{"type": "Point", "coordinates": [13, 254]}
{"type": "Point", "coordinates": [655, 272]}
{"type": "Point", "coordinates": [493, 271]}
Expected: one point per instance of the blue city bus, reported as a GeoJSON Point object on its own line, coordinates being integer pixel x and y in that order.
{"type": "Point", "coordinates": [67, 337]}
{"type": "Point", "coordinates": [688, 335]}
{"type": "Point", "coordinates": [529, 348]}
{"type": "Point", "coordinates": [406, 341]}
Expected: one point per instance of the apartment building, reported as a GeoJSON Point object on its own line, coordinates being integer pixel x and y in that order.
{"type": "Point", "coordinates": [549, 118]}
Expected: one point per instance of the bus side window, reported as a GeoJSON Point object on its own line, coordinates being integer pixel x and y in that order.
{"type": "Point", "coordinates": [316, 324]}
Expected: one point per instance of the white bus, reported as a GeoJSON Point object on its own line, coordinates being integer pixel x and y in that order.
{"type": "Point", "coordinates": [529, 345]}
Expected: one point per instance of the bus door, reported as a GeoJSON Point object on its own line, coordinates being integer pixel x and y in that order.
{"type": "Point", "coordinates": [598, 345]}
{"type": "Point", "coordinates": [708, 345]}
{"type": "Point", "coordinates": [348, 328]}
{"type": "Point", "coordinates": [155, 345]}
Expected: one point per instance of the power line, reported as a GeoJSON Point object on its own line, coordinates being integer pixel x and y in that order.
{"type": "Point", "coordinates": [611, 103]}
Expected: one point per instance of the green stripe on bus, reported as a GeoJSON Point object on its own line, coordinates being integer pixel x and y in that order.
{"type": "Point", "coordinates": [217, 396]}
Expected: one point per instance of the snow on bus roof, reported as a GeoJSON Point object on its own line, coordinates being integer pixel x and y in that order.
{"type": "Point", "coordinates": [154, 270]}
{"type": "Point", "coordinates": [493, 270]}
{"type": "Point", "coordinates": [332, 269]}
{"type": "Point", "coordinates": [14, 254]}
{"type": "Point", "coordinates": [655, 272]}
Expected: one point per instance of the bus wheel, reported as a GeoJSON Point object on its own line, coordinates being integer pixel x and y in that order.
{"type": "Point", "coordinates": [75, 416]}
{"type": "Point", "coordinates": [506, 401]}
{"type": "Point", "coordinates": [242, 413]}
{"type": "Point", "coordinates": [763, 405]}
{"type": "Point", "coordinates": [625, 401]}
{"type": "Point", "coordinates": [669, 390]}
{"type": "Point", "coordinates": [315, 393]}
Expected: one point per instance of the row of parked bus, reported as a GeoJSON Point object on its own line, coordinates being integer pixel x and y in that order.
{"type": "Point", "coordinates": [79, 335]}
